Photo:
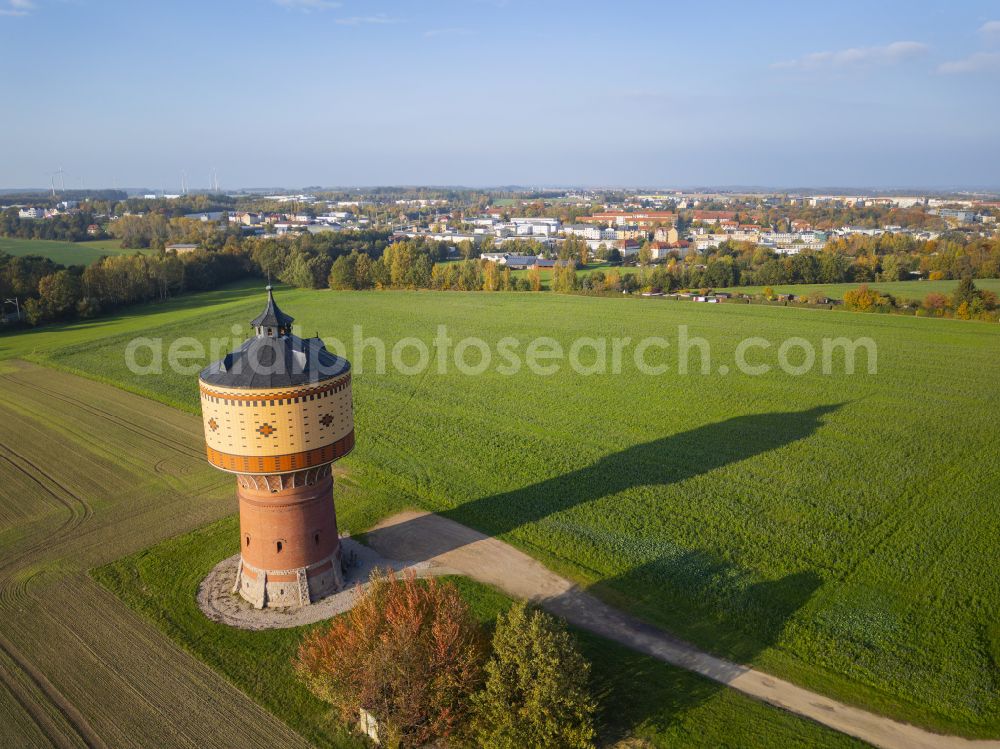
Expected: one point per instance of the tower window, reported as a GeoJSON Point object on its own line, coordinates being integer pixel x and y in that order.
{"type": "Point", "coordinates": [317, 538]}
{"type": "Point", "coordinates": [279, 546]}
{"type": "Point", "coordinates": [248, 539]}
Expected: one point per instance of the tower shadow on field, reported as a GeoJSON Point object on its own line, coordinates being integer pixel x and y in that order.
{"type": "Point", "coordinates": [662, 462]}
{"type": "Point", "coordinates": [713, 602]}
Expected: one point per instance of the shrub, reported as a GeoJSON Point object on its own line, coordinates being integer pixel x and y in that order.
{"type": "Point", "coordinates": [408, 652]}
{"type": "Point", "coordinates": [536, 692]}
{"type": "Point", "coordinates": [935, 303]}
{"type": "Point", "coordinates": [863, 299]}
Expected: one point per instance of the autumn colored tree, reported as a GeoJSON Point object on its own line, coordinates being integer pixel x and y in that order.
{"type": "Point", "coordinates": [564, 278]}
{"type": "Point", "coordinates": [535, 279]}
{"type": "Point", "coordinates": [536, 692]}
{"type": "Point", "coordinates": [863, 299]}
{"type": "Point", "coordinates": [491, 276]}
{"type": "Point", "coordinates": [59, 293]}
{"type": "Point", "coordinates": [409, 653]}
{"type": "Point", "coordinates": [645, 253]}
{"type": "Point", "coordinates": [363, 272]}
{"type": "Point", "coordinates": [935, 303]}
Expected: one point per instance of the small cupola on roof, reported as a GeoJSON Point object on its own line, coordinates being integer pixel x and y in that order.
{"type": "Point", "coordinates": [272, 322]}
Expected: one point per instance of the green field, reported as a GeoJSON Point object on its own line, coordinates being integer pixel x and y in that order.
{"type": "Point", "coordinates": [832, 529]}
{"type": "Point", "coordinates": [899, 289]}
{"type": "Point", "coordinates": [92, 474]}
{"type": "Point", "coordinates": [580, 273]}
{"type": "Point", "coordinates": [65, 253]}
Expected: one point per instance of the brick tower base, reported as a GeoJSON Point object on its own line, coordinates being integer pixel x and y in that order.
{"type": "Point", "coordinates": [289, 547]}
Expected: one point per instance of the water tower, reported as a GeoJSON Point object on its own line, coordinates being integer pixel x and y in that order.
{"type": "Point", "coordinates": [278, 413]}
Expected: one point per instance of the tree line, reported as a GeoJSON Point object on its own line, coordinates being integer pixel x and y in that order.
{"type": "Point", "coordinates": [858, 258]}
{"type": "Point", "coordinates": [48, 291]}
{"type": "Point", "coordinates": [373, 259]}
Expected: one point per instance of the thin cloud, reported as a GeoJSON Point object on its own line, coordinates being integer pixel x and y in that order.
{"type": "Point", "coordinates": [980, 62]}
{"type": "Point", "coordinates": [378, 19]}
{"type": "Point", "coordinates": [307, 6]}
{"type": "Point", "coordinates": [447, 32]}
{"type": "Point", "coordinates": [889, 54]}
{"type": "Point", "coordinates": [991, 31]}
{"type": "Point", "coordinates": [17, 8]}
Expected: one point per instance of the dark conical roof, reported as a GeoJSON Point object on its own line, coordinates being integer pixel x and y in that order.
{"type": "Point", "coordinates": [275, 359]}
{"type": "Point", "coordinates": [272, 316]}
{"type": "Point", "coordinates": [285, 361]}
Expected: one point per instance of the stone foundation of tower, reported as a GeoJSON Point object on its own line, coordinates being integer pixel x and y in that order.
{"type": "Point", "coordinates": [289, 545]}
{"type": "Point", "coordinates": [298, 587]}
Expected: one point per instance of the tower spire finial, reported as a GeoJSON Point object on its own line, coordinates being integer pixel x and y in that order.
{"type": "Point", "coordinates": [272, 321]}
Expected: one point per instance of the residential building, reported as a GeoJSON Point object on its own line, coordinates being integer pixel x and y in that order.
{"type": "Point", "coordinates": [642, 219]}
{"type": "Point", "coordinates": [665, 234]}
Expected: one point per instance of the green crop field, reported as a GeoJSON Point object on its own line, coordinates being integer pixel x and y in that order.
{"type": "Point", "coordinates": [839, 530]}
{"type": "Point", "coordinates": [66, 253]}
{"type": "Point", "coordinates": [900, 289]}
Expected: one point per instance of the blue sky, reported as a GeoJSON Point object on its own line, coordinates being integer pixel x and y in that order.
{"type": "Point", "coordinates": [533, 92]}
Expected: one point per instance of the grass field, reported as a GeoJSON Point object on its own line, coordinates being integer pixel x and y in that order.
{"type": "Point", "coordinates": [66, 253]}
{"type": "Point", "coordinates": [638, 697]}
{"type": "Point", "coordinates": [782, 490]}
{"type": "Point", "coordinates": [832, 529]}
{"type": "Point", "coordinates": [900, 289]}
{"type": "Point", "coordinates": [96, 473]}
{"type": "Point", "coordinates": [89, 473]}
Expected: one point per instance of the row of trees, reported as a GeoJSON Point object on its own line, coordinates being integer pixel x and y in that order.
{"type": "Point", "coordinates": [411, 655]}
{"type": "Point", "coordinates": [49, 291]}
{"type": "Point", "coordinates": [832, 216]}
{"type": "Point", "coordinates": [856, 259]}
{"type": "Point", "coordinates": [369, 260]}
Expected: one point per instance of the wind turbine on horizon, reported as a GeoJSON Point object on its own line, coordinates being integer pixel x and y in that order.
{"type": "Point", "coordinates": [62, 180]}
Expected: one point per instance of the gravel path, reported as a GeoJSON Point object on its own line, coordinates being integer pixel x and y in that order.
{"type": "Point", "coordinates": [429, 538]}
